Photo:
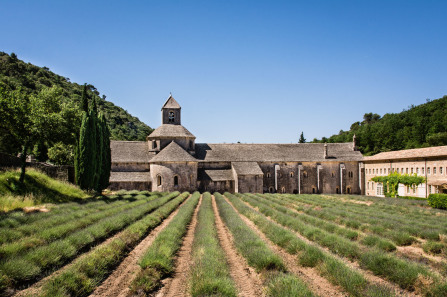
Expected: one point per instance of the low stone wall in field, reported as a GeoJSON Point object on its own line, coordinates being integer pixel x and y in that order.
{"type": "Point", "coordinates": [64, 172]}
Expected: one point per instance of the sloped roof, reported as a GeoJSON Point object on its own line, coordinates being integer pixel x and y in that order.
{"type": "Point", "coordinates": [129, 176]}
{"type": "Point", "coordinates": [173, 153]}
{"type": "Point", "coordinates": [247, 168]}
{"type": "Point", "coordinates": [220, 175]}
{"type": "Point", "coordinates": [171, 103]}
{"type": "Point", "coordinates": [426, 152]}
{"type": "Point", "coordinates": [169, 131]}
{"type": "Point", "coordinates": [129, 151]}
{"type": "Point", "coordinates": [234, 152]}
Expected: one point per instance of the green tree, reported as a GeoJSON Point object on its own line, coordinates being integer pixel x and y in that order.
{"type": "Point", "coordinates": [86, 152]}
{"type": "Point", "coordinates": [106, 161]}
{"type": "Point", "coordinates": [302, 139]}
{"type": "Point", "coordinates": [31, 118]}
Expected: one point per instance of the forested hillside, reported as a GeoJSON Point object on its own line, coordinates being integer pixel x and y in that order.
{"type": "Point", "coordinates": [30, 80]}
{"type": "Point", "coordinates": [419, 126]}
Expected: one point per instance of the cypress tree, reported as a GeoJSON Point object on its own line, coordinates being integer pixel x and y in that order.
{"type": "Point", "coordinates": [84, 99]}
{"type": "Point", "coordinates": [99, 154]}
{"type": "Point", "coordinates": [82, 153]}
{"type": "Point", "coordinates": [106, 155]}
{"type": "Point", "coordinates": [92, 149]}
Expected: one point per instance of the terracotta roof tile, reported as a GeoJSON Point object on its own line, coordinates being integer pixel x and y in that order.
{"type": "Point", "coordinates": [427, 152]}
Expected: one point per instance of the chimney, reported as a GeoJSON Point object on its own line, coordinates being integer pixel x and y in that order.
{"type": "Point", "coordinates": [354, 145]}
{"type": "Point", "coordinates": [325, 151]}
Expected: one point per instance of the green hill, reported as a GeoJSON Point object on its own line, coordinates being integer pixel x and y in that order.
{"type": "Point", "coordinates": [420, 126]}
{"type": "Point", "coordinates": [15, 74]}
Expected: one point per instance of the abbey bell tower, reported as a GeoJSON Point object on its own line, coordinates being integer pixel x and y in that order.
{"type": "Point", "coordinates": [171, 129]}
{"type": "Point", "coordinates": [170, 112]}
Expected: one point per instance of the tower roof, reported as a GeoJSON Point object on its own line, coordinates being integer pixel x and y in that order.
{"type": "Point", "coordinates": [171, 103]}
{"type": "Point", "coordinates": [173, 153]}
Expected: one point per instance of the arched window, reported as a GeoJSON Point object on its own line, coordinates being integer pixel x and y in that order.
{"type": "Point", "coordinates": [291, 174]}
{"type": "Point", "coordinates": [171, 117]}
{"type": "Point", "coordinates": [348, 189]}
{"type": "Point", "coordinates": [283, 190]}
{"type": "Point", "coordinates": [337, 190]}
{"type": "Point", "coordinates": [313, 190]}
{"type": "Point", "coordinates": [176, 180]}
{"type": "Point", "coordinates": [271, 190]}
{"type": "Point", "coordinates": [333, 174]}
{"type": "Point", "coordinates": [304, 174]}
{"type": "Point", "coordinates": [268, 175]}
{"type": "Point", "coordinates": [159, 180]}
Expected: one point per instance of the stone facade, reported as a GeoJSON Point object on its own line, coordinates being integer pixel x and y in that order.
{"type": "Point", "coordinates": [170, 160]}
{"type": "Point", "coordinates": [430, 163]}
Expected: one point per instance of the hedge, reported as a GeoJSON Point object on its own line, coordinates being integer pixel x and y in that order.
{"type": "Point", "coordinates": [438, 201]}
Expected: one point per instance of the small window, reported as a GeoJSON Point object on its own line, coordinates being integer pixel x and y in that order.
{"type": "Point", "coordinates": [176, 180]}
{"type": "Point", "coordinates": [154, 144]}
{"type": "Point", "coordinates": [368, 186]}
{"type": "Point", "coordinates": [417, 170]}
{"type": "Point", "coordinates": [268, 175]}
{"type": "Point", "coordinates": [313, 190]}
{"type": "Point", "coordinates": [406, 170]}
{"type": "Point", "coordinates": [440, 170]}
{"type": "Point", "coordinates": [428, 170]}
{"type": "Point", "coordinates": [337, 190]}
{"type": "Point", "coordinates": [348, 189]}
{"type": "Point", "coordinates": [333, 174]}
{"type": "Point", "coordinates": [380, 170]}
{"type": "Point", "coordinates": [412, 170]}
{"type": "Point", "coordinates": [159, 181]}
{"type": "Point", "coordinates": [171, 117]}
{"type": "Point", "coordinates": [283, 190]}
{"type": "Point", "coordinates": [291, 174]}
{"type": "Point", "coordinates": [434, 170]}
{"type": "Point", "coordinates": [423, 170]}
{"type": "Point", "coordinates": [271, 190]}
{"type": "Point", "coordinates": [429, 187]}
{"type": "Point", "coordinates": [304, 174]}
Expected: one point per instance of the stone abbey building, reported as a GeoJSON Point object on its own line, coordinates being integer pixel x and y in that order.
{"type": "Point", "coordinates": [171, 160]}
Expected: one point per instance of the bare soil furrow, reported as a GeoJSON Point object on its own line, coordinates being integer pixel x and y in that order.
{"type": "Point", "coordinates": [354, 265]}
{"type": "Point", "coordinates": [318, 284]}
{"type": "Point", "coordinates": [178, 285]}
{"type": "Point", "coordinates": [248, 282]}
{"type": "Point", "coordinates": [117, 284]}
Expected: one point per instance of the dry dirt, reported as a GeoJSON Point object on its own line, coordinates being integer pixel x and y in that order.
{"type": "Point", "coordinates": [319, 285]}
{"type": "Point", "coordinates": [353, 265]}
{"type": "Point", "coordinates": [117, 284]}
{"type": "Point", "coordinates": [178, 285]}
{"type": "Point", "coordinates": [248, 282]}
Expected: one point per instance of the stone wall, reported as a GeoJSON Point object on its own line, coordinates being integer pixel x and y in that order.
{"type": "Point", "coordinates": [186, 172]}
{"type": "Point", "coordinates": [130, 167]}
{"type": "Point", "coordinates": [141, 186]}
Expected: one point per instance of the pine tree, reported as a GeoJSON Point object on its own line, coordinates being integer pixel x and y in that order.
{"type": "Point", "coordinates": [302, 139]}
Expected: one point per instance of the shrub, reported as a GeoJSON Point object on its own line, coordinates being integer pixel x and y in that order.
{"type": "Point", "coordinates": [438, 201]}
{"type": "Point", "coordinates": [433, 247]}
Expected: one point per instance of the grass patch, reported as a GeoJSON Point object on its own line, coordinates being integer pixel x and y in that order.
{"type": "Point", "coordinates": [88, 271]}
{"type": "Point", "coordinates": [38, 188]}
{"type": "Point", "coordinates": [210, 273]}
{"type": "Point", "coordinates": [433, 247]}
{"type": "Point", "coordinates": [158, 261]}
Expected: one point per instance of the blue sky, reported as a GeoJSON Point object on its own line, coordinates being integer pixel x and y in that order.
{"type": "Point", "coordinates": [249, 71]}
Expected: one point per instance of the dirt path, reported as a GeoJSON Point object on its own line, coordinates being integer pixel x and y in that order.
{"type": "Point", "coordinates": [248, 283]}
{"type": "Point", "coordinates": [178, 285]}
{"type": "Point", "coordinates": [117, 284]}
{"type": "Point", "coordinates": [318, 284]}
{"type": "Point", "coordinates": [34, 289]}
{"type": "Point", "coordinates": [353, 265]}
